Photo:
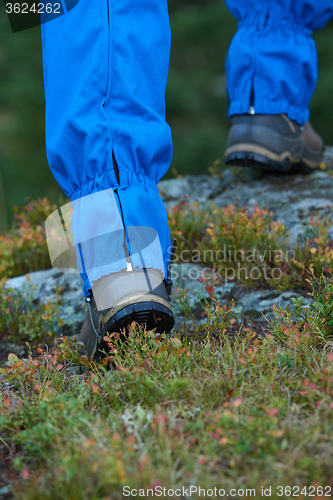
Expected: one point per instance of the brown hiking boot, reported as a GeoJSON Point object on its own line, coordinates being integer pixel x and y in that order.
{"type": "Point", "coordinates": [121, 298]}
{"type": "Point", "coordinates": [272, 142]}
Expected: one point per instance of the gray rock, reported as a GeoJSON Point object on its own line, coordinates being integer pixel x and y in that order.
{"type": "Point", "coordinates": [258, 304]}
{"type": "Point", "coordinates": [173, 189]}
{"type": "Point", "coordinates": [251, 303]}
{"type": "Point", "coordinates": [292, 199]}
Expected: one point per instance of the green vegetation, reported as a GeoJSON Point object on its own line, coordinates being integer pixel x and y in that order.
{"type": "Point", "coordinates": [229, 407]}
{"type": "Point", "coordinates": [22, 320]}
{"type": "Point", "coordinates": [23, 248]}
{"type": "Point", "coordinates": [239, 412]}
{"type": "Point", "coordinates": [312, 324]}
{"type": "Point", "coordinates": [196, 98]}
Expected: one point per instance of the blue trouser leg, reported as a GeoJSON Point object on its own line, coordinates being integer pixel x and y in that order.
{"type": "Point", "coordinates": [105, 72]}
{"type": "Point", "coordinates": [272, 59]}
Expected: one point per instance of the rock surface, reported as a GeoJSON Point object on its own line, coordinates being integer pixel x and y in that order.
{"type": "Point", "coordinates": [292, 198]}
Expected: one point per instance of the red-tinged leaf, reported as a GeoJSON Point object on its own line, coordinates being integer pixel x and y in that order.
{"type": "Point", "coordinates": [95, 388]}
{"type": "Point", "coordinates": [237, 402]}
{"type": "Point", "coordinates": [180, 351]}
{"type": "Point", "coordinates": [276, 433]}
{"type": "Point", "coordinates": [25, 474]}
{"type": "Point", "coordinates": [38, 387]}
{"type": "Point", "coordinates": [59, 367]}
{"type": "Point", "coordinates": [115, 437]}
{"type": "Point", "coordinates": [155, 484]}
{"type": "Point", "coordinates": [303, 393]}
{"type": "Point", "coordinates": [330, 357]}
{"type": "Point", "coordinates": [160, 420]}
{"type": "Point", "coordinates": [87, 443]}
{"type": "Point", "coordinates": [272, 412]}
{"type": "Point", "coordinates": [209, 289]}
{"type": "Point", "coordinates": [122, 369]}
{"type": "Point", "coordinates": [145, 460]}
{"type": "Point", "coordinates": [7, 402]}
{"type": "Point", "coordinates": [131, 440]}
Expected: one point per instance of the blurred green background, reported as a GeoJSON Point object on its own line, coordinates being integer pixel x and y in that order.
{"type": "Point", "coordinates": [196, 99]}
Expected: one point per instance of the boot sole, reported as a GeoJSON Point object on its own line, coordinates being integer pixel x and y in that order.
{"type": "Point", "coordinates": [153, 315]}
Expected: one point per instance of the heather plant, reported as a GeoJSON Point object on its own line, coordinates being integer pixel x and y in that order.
{"type": "Point", "coordinates": [310, 324]}
{"type": "Point", "coordinates": [316, 248]}
{"type": "Point", "coordinates": [22, 320]}
{"type": "Point", "coordinates": [23, 248]}
{"type": "Point", "coordinates": [35, 212]}
{"type": "Point", "coordinates": [253, 245]}
{"type": "Point", "coordinates": [230, 229]}
{"type": "Point", "coordinates": [213, 319]}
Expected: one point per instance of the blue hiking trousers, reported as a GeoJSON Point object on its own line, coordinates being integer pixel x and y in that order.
{"type": "Point", "coordinates": [105, 72]}
{"type": "Point", "coordinates": [105, 66]}
{"type": "Point", "coordinates": [272, 59]}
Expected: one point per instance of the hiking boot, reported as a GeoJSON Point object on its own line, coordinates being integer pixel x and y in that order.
{"type": "Point", "coordinates": [272, 142]}
{"type": "Point", "coordinates": [121, 298]}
